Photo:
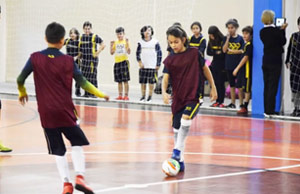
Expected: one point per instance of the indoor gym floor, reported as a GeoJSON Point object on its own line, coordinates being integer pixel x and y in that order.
{"type": "Point", "coordinates": [224, 153]}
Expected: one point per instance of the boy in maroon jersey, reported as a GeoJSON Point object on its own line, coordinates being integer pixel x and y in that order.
{"type": "Point", "coordinates": [53, 73]}
{"type": "Point", "coordinates": [184, 68]}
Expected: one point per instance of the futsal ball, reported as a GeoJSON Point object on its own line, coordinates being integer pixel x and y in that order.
{"type": "Point", "coordinates": [170, 167]}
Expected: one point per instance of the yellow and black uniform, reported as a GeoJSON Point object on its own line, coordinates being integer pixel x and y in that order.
{"type": "Point", "coordinates": [200, 44]}
{"type": "Point", "coordinates": [232, 61]}
{"type": "Point", "coordinates": [121, 67]}
{"type": "Point", "coordinates": [248, 51]}
{"type": "Point", "coordinates": [217, 68]}
{"type": "Point", "coordinates": [88, 48]}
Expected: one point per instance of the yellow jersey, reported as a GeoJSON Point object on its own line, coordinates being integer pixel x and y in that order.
{"type": "Point", "coordinates": [120, 47]}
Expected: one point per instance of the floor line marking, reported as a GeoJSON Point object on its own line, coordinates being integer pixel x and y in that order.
{"type": "Point", "coordinates": [186, 153]}
{"type": "Point", "coordinates": [137, 186]}
{"type": "Point", "coordinates": [169, 112]}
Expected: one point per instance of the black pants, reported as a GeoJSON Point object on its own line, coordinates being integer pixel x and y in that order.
{"type": "Point", "coordinates": [77, 86]}
{"type": "Point", "coordinates": [219, 75]}
{"type": "Point", "coordinates": [271, 80]}
{"type": "Point", "coordinates": [89, 70]}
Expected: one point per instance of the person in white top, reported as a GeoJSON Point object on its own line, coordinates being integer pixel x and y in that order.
{"type": "Point", "coordinates": [149, 56]}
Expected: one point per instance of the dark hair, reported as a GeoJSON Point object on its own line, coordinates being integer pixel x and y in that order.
{"type": "Point", "coordinates": [87, 24]}
{"type": "Point", "coordinates": [214, 30]}
{"type": "Point", "coordinates": [76, 32]}
{"type": "Point", "coordinates": [197, 24]}
{"type": "Point", "coordinates": [144, 29]}
{"type": "Point", "coordinates": [248, 29]}
{"type": "Point", "coordinates": [178, 32]}
{"type": "Point", "coordinates": [298, 21]}
{"type": "Point", "coordinates": [177, 24]}
{"type": "Point", "coordinates": [233, 21]}
{"type": "Point", "coordinates": [120, 29]}
{"type": "Point", "coordinates": [55, 32]}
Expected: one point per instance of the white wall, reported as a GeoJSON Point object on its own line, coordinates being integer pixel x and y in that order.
{"type": "Point", "coordinates": [291, 12]}
{"type": "Point", "coordinates": [27, 19]}
{"type": "Point", "coordinates": [2, 41]}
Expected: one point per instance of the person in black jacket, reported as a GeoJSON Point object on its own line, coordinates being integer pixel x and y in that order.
{"type": "Point", "coordinates": [214, 48]}
{"type": "Point", "coordinates": [273, 39]}
{"type": "Point", "coordinates": [293, 63]}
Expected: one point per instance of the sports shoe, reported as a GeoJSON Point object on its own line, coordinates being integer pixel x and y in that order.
{"type": "Point", "coordinates": [176, 155]}
{"type": "Point", "coordinates": [77, 93]}
{"type": "Point", "coordinates": [149, 99]}
{"type": "Point", "coordinates": [126, 98]}
{"type": "Point", "coordinates": [4, 149]}
{"type": "Point", "coordinates": [81, 185]}
{"type": "Point", "coordinates": [119, 98]}
{"type": "Point", "coordinates": [231, 106]}
{"type": "Point", "coordinates": [68, 188]}
{"type": "Point", "coordinates": [142, 99]}
{"type": "Point", "coordinates": [243, 111]}
{"type": "Point", "coordinates": [293, 114]}
{"type": "Point", "coordinates": [216, 104]}
{"type": "Point", "coordinates": [181, 166]}
{"type": "Point", "coordinates": [86, 95]}
{"type": "Point", "coordinates": [221, 106]}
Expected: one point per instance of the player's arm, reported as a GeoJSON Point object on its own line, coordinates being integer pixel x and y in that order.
{"type": "Point", "coordinates": [202, 46]}
{"type": "Point", "coordinates": [86, 85]}
{"type": "Point", "coordinates": [23, 97]}
{"type": "Point", "coordinates": [101, 45]}
{"type": "Point", "coordinates": [159, 55]}
{"type": "Point", "coordinates": [288, 56]}
{"type": "Point", "coordinates": [101, 48]}
{"type": "Point", "coordinates": [112, 47]}
{"type": "Point", "coordinates": [165, 83]}
{"type": "Point", "coordinates": [235, 52]}
{"type": "Point", "coordinates": [128, 50]}
{"type": "Point", "coordinates": [210, 51]}
{"type": "Point", "coordinates": [210, 79]}
{"type": "Point", "coordinates": [226, 44]}
{"type": "Point", "coordinates": [240, 65]}
{"type": "Point", "coordinates": [138, 55]}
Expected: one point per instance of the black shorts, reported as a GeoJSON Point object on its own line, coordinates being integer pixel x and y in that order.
{"type": "Point", "coordinates": [241, 79]}
{"type": "Point", "coordinates": [121, 71]}
{"type": "Point", "coordinates": [236, 81]}
{"type": "Point", "coordinates": [55, 142]}
{"type": "Point", "coordinates": [231, 78]}
{"type": "Point", "coordinates": [148, 76]}
{"type": "Point", "coordinates": [191, 110]}
{"type": "Point", "coordinates": [248, 84]}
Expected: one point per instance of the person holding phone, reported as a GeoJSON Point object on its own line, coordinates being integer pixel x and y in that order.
{"type": "Point", "coordinates": [273, 39]}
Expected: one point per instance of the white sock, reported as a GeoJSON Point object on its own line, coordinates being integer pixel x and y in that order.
{"type": "Point", "coordinates": [78, 159]}
{"type": "Point", "coordinates": [175, 135]}
{"type": "Point", "coordinates": [63, 168]}
{"type": "Point", "coordinates": [182, 134]}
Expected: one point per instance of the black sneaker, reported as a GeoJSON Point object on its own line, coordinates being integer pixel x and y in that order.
{"type": "Point", "coordinates": [149, 99]}
{"type": "Point", "coordinates": [143, 99]}
{"type": "Point", "coordinates": [231, 106]}
{"type": "Point", "coordinates": [77, 93]}
{"type": "Point", "coordinates": [294, 113]}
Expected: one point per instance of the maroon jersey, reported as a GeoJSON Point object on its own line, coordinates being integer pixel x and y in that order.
{"type": "Point", "coordinates": [53, 76]}
{"type": "Point", "coordinates": [185, 71]}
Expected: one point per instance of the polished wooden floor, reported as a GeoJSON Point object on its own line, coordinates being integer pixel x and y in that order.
{"type": "Point", "coordinates": [224, 154]}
